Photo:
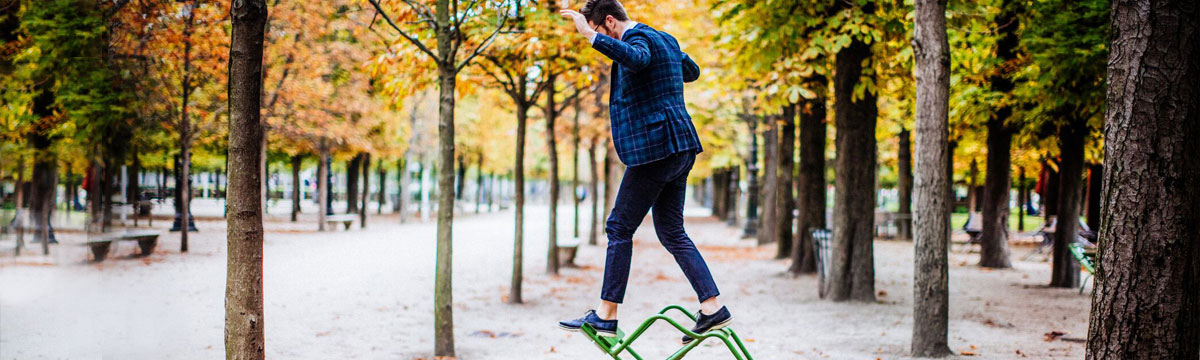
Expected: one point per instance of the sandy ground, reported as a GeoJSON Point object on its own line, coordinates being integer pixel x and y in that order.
{"type": "Point", "coordinates": [367, 293]}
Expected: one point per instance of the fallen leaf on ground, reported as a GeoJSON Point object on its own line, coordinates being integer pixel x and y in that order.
{"type": "Point", "coordinates": [1054, 335]}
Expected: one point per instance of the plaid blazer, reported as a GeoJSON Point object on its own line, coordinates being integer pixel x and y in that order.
{"type": "Point", "coordinates": [646, 107]}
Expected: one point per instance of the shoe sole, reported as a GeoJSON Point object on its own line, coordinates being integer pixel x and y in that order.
{"type": "Point", "coordinates": [600, 333]}
{"type": "Point", "coordinates": [719, 326]}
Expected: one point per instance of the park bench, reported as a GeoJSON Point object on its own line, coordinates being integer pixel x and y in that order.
{"type": "Point", "coordinates": [614, 346]}
{"type": "Point", "coordinates": [974, 229]}
{"type": "Point", "coordinates": [821, 254]}
{"type": "Point", "coordinates": [567, 248]}
{"type": "Point", "coordinates": [1085, 260]}
{"type": "Point", "coordinates": [345, 219]}
{"type": "Point", "coordinates": [101, 244]}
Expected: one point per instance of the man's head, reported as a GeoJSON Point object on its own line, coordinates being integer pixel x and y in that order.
{"type": "Point", "coordinates": [605, 16]}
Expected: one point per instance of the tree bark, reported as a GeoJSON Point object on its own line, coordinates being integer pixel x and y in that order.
{"type": "Point", "coordinates": [296, 195]}
{"type": "Point", "coordinates": [42, 186]}
{"type": "Point", "coordinates": [930, 267]}
{"type": "Point", "coordinates": [352, 166]}
{"type": "Point", "coordinates": [244, 323]}
{"type": "Point", "coordinates": [575, 168]}
{"type": "Point", "coordinates": [1145, 302]}
{"type": "Point", "coordinates": [594, 226]}
{"type": "Point", "coordinates": [514, 289]}
{"type": "Point", "coordinates": [479, 182]}
{"type": "Point", "coordinates": [401, 205]}
{"type": "Point", "coordinates": [381, 197]}
{"type": "Point", "coordinates": [443, 313]}
{"type": "Point", "coordinates": [551, 110]}
{"type": "Point", "coordinates": [366, 190]}
{"type": "Point", "coordinates": [811, 188]}
{"type": "Point", "coordinates": [786, 202]}
{"type": "Point", "coordinates": [904, 185]}
{"type": "Point", "coordinates": [322, 184]}
{"type": "Point", "coordinates": [1092, 200]}
{"type": "Point", "coordinates": [852, 270]}
{"type": "Point", "coordinates": [770, 193]}
{"type": "Point", "coordinates": [731, 196]}
{"type": "Point", "coordinates": [1072, 136]}
{"type": "Point", "coordinates": [461, 177]}
{"type": "Point", "coordinates": [994, 252]}
{"type": "Point", "coordinates": [185, 138]}
{"type": "Point", "coordinates": [752, 191]}
{"type": "Point", "coordinates": [1022, 200]}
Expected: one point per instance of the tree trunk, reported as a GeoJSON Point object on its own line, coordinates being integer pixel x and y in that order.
{"type": "Point", "coordinates": [442, 298]}
{"type": "Point", "coordinates": [786, 201]}
{"type": "Point", "coordinates": [1095, 177]}
{"type": "Point", "coordinates": [185, 140]}
{"type": "Point", "coordinates": [770, 192]}
{"type": "Point", "coordinates": [552, 144]}
{"type": "Point", "coordinates": [461, 177]}
{"type": "Point", "coordinates": [1022, 200]}
{"type": "Point", "coordinates": [479, 183]}
{"type": "Point", "coordinates": [401, 205]}
{"type": "Point", "coordinates": [904, 185]}
{"type": "Point", "coordinates": [18, 218]}
{"type": "Point", "coordinates": [731, 196]}
{"type": "Point", "coordinates": [1145, 301]}
{"type": "Point", "coordinates": [296, 196]}
{"type": "Point", "coordinates": [514, 290]}
{"type": "Point", "coordinates": [594, 192]}
{"type": "Point", "coordinates": [1050, 192]}
{"type": "Point", "coordinates": [994, 252]}
{"type": "Point", "coordinates": [575, 168]}
{"type": "Point", "coordinates": [972, 195]}
{"type": "Point", "coordinates": [366, 190]}
{"type": "Point", "coordinates": [852, 270]}
{"type": "Point", "coordinates": [42, 189]}
{"type": "Point", "coordinates": [752, 191]}
{"type": "Point", "coordinates": [244, 335]}
{"type": "Point", "coordinates": [811, 188]}
{"type": "Point", "coordinates": [352, 183]}
{"type": "Point", "coordinates": [930, 266]}
{"type": "Point", "coordinates": [1072, 136]}
{"type": "Point", "coordinates": [322, 184]}
{"type": "Point", "coordinates": [381, 197]}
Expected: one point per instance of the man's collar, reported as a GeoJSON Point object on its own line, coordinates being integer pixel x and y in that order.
{"type": "Point", "coordinates": [628, 25]}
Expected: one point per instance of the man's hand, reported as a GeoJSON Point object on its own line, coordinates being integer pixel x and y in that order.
{"type": "Point", "coordinates": [581, 23]}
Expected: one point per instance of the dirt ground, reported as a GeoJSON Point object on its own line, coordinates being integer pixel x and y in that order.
{"type": "Point", "coordinates": [367, 293]}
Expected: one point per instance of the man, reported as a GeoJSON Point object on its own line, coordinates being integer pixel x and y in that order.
{"type": "Point", "coordinates": [653, 135]}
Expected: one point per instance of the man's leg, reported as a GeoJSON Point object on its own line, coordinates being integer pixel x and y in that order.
{"type": "Point", "coordinates": [639, 188]}
{"type": "Point", "coordinates": [668, 223]}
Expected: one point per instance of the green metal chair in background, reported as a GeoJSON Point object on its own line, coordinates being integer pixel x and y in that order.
{"type": "Point", "coordinates": [1085, 261]}
{"type": "Point", "coordinates": [614, 346]}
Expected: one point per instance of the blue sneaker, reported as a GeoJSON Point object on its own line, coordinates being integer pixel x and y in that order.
{"type": "Point", "coordinates": [706, 323]}
{"type": "Point", "coordinates": [605, 328]}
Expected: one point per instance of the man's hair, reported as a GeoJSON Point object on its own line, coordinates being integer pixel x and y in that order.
{"type": "Point", "coordinates": [597, 10]}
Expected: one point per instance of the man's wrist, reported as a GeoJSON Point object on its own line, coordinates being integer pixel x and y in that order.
{"type": "Point", "coordinates": [591, 36]}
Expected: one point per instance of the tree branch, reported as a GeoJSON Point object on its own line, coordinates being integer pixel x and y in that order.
{"type": "Point", "coordinates": [483, 46]}
{"type": "Point", "coordinates": [379, 10]}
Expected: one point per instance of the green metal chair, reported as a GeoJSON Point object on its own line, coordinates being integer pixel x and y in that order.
{"type": "Point", "coordinates": [614, 346]}
{"type": "Point", "coordinates": [1086, 262]}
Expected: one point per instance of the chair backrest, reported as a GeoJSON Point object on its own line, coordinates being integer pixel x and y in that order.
{"type": "Point", "coordinates": [821, 239]}
{"type": "Point", "coordinates": [1083, 260]}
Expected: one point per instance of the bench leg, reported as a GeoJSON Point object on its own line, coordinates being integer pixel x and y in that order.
{"type": "Point", "coordinates": [99, 251]}
{"type": "Point", "coordinates": [147, 246]}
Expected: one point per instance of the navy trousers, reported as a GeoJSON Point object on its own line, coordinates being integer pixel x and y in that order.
{"type": "Point", "coordinates": [660, 185]}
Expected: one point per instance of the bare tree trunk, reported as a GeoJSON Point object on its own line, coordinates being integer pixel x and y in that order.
{"type": "Point", "coordinates": [811, 192]}
{"type": "Point", "coordinates": [770, 192]}
{"type": "Point", "coordinates": [575, 168]}
{"type": "Point", "coordinates": [551, 110]}
{"type": "Point", "coordinates": [972, 198]}
{"type": "Point", "coordinates": [18, 217]}
{"type": "Point", "coordinates": [930, 267]}
{"type": "Point", "coordinates": [443, 312]}
{"type": "Point", "coordinates": [852, 270]}
{"type": "Point", "coordinates": [479, 182]}
{"type": "Point", "coordinates": [401, 205]}
{"type": "Point", "coordinates": [594, 226]}
{"type": "Point", "coordinates": [352, 183]}
{"type": "Point", "coordinates": [1072, 136]}
{"type": "Point", "coordinates": [1094, 180]}
{"type": "Point", "coordinates": [185, 139]}
{"type": "Point", "coordinates": [1145, 302]}
{"type": "Point", "coordinates": [461, 178]}
{"type": "Point", "coordinates": [904, 185]}
{"type": "Point", "coordinates": [322, 183]}
{"type": "Point", "coordinates": [514, 289]}
{"type": "Point", "coordinates": [296, 162]}
{"type": "Point", "coordinates": [786, 201]}
{"type": "Point", "coordinates": [244, 322]}
{"type": "Point", "coordinates": [366, 190]}
{"type": "Point", "coordinates": [732, 192]}
{"type": "Point", "coordinates": [381, 197]}
{"type": "Point", "coordinates": [752, 190]}
{"type": "Point", "coordinates": [1022, 200]}
{"type": "Point", "coordinates": [994, 252]}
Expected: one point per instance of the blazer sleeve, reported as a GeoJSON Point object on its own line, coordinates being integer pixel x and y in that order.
{"type": "Point", "coordinates": [634, 54]}
{"type": "Point", "coordinates": [691, 71]}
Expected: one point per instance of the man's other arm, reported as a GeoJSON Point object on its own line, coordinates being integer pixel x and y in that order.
{"type": "Point", "coordinates": [691, 71]}
{"type": "Point", "coordinates": [634, 54]}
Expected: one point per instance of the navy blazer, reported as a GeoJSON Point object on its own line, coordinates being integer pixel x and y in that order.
{"type": "Point", "coordinates": [649, 118]}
